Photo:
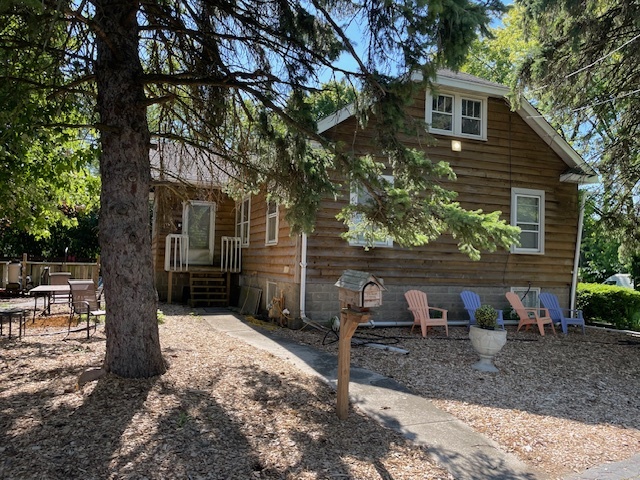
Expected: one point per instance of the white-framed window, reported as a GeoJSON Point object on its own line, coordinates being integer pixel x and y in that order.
{"type": "Point", "coordinates": [360, 195]}
{"type": "Point", "coordinates": [243, 215]}
{"type": "Point", "coordinates": [530, 296]}
{"type": "Point", "coordinates": [456, 114]}
{"type": "Point", "coordinates": [272, 223]}
{"type": "Point", "coordinates": [527, 212]}
{"type": "Point", "coordinates": [442, 113]}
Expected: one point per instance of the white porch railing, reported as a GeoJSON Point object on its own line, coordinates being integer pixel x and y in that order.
{"type": "Point", "coordinates": [230, 254]}
{"type": "Point", "coordinates": [176, 253]}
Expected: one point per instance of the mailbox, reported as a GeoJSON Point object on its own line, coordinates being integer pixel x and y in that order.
{"type": "Point", "coordinates": [360, 290]}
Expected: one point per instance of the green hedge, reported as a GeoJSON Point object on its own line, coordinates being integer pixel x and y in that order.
{"type": "Point", "coordinates": [617, 306]}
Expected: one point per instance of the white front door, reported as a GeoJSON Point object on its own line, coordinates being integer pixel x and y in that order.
{"type": "Point", "coordinates": [198, 222]}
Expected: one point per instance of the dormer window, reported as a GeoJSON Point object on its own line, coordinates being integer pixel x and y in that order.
{"type": "Point", "coordinates": [442, 113]}
{"type": "Point", "coordinates": [457, 114]}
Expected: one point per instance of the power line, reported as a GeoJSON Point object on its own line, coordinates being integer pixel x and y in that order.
{"type": "Point", "coordinates": [604, 57]}
{"type": "Point", "coordinates": [586, 67]}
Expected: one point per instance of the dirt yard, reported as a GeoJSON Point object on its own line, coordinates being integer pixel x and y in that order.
{"type": "Point", "coordinates": [223, 410]}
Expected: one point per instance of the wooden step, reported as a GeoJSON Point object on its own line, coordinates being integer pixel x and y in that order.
{"type": "Point", "coordinates": [208, 289]}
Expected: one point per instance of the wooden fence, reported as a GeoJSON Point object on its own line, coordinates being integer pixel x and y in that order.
{"type": "Point", "coordinates": [31, 273]}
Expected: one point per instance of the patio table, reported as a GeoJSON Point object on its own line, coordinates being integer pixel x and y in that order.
{"type": "Point", "coordinates": [46, 291]}
{"type": "Point", "coordinates": [12, 313]}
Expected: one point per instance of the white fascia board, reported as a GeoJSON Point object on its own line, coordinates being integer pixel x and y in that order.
{"type": "Point", "coordinates": [551, 137]}
{"type": "Point", "coordinates": [471, 87]}
{"type": "Point", "coordinates": [335, 118]}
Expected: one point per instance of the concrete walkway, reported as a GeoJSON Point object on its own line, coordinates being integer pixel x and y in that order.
{"type": "Point", "coordinates": [451, 443]}
{"type": "Point", "coordinates": [625, 470]}
{"type": "Point", "coordinates": [466, 454]}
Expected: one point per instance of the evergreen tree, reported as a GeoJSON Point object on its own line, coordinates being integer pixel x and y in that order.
{"type": "Point", "coordinates": [233, 78]}
{"type": "Point", "coordinates": [587, 66]}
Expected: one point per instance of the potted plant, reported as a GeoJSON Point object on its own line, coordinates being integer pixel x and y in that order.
{"type": "Point", "coordinates": [486, 317]}
{"type": "Point", "coordinates": [486, 338]}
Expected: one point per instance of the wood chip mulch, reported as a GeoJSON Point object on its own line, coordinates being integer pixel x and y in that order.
{"type": "Point", "coordinates": [223, 410]}
{"type": "Point", "coordinates": [560, 403]}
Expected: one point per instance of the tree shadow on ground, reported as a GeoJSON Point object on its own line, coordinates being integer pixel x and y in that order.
{"type": "Point", "coordinates": [169, 428]}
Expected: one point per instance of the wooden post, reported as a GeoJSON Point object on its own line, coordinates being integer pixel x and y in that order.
{"type": "Point", "coordinates": [349, 320]}
{"type": "Point", "coordinates": [170, 286]}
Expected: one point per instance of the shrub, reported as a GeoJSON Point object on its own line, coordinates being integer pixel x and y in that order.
{"type": "Point", "coordinates": [606, 303]}
{"type": "Point", "coordinates": [486, 317]}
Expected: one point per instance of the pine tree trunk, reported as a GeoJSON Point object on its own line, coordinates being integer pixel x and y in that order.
{"type": "Point", "coordinates": [133, 344]}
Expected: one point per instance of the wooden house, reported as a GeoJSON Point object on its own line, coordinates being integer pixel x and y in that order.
{"type": "Point", "coordinates": [511, 161]}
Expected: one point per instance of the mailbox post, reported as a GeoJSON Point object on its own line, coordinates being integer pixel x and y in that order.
{"type": "Point", "coordinates": [358, 292]}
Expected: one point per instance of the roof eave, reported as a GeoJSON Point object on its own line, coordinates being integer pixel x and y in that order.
{"type": "Point", "coordinates": [336, 118]}
{"type": "Point", "coordinates": [579, 178]}
{"type": "Point", "coordinates": [467, 86]}
{"type": "Point", "coordinates": [558, 144]}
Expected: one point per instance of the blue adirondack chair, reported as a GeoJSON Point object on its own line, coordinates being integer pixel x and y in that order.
{"type": "Point", "coordinates": [550, 302]}
{"type": "Point", "coordinates": [471, 302]}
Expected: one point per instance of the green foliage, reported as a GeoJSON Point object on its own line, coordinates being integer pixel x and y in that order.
{"type": "Point", "coordinates": [586, 67]}
{"type": "Point", "coordinates": [45, 163]}
{"type": "Point", "coordinates": [486, 317]}
{"type": "Point", "coordinates": [80, 240]}
{"type": "Point", "coordinates": [609, 304]}
{"type": "Point", "coordinates": [599, 248]}
{"type": "Point", "coordinates": [332, 97]}
{"type": "Point", "coordinates": [497, 56]}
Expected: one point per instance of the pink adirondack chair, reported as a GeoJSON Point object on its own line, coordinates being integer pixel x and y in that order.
{"type": "Point", "coordinates": [420, 308]}
{"type": "Point", "coordinates": [530, 316]}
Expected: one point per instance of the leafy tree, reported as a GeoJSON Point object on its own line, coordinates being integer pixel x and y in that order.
{"type": "Point", "coordinates": [497, 56]}
{"type": "Point", "coordinates": [587, 66]}
{"type": "Point", "coordinates": [600, 252]}
{"type": "Point", "coordinates": [79, 241]}
{"type": "Point", "coordinates": [233, 78]}
{"type": "Point", "coordinates": [45, 165]}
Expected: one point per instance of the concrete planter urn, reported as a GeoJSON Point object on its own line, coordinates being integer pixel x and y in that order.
{"type": "Point", "coordinates": [485, 339]}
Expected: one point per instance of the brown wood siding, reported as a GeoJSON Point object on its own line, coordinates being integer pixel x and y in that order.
{"type": "Point", "coordinates": [512, 156]}
{"type": "Point", "coordinates": [276, 262]}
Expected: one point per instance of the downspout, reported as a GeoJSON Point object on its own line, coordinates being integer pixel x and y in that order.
{"type": "Point", "coordinates": [303, 276]}
{"type": "Point", "coordinates": [576, 258]}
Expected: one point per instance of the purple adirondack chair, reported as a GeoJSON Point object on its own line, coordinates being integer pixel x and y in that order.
{"type": "Point", "coordinates": [550, 302]}
{"type": "Point", "coordinates": [471, 302]}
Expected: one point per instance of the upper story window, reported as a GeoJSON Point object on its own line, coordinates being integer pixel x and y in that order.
{"type": "Point", "coordinates": [243, 214]}
{"type": "Point", "coordinates": [457, 115]}
{"type": "Point", "coordinates": [527, 212]}
{"type": "Point", "coordinates": [360, 195]}
{"type": "Point", "coordinates": [442, 113]}
{"type": "Point", "coordinates": [272, 223]}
